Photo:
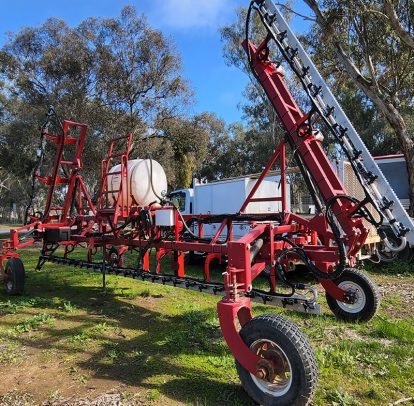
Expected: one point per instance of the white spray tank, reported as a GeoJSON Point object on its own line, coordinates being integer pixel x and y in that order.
{"type": "Point", "coordinates": [139, 182]}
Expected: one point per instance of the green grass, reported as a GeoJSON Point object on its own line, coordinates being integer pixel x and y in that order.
{"type": "Point", "coordinates": [162, 345]}
{"type": "Point", "coordinates": [33, 323]}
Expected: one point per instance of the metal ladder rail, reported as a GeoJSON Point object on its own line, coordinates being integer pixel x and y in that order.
{"type": "Point", "coordinates": [55, 179]}
{"type": "Point", "coordinates": [119, 203]}
{"type": "Point", "coordinates": [369, 174]}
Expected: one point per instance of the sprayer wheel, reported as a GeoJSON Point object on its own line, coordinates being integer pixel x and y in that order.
{"type": "Point", "coordinates": [14, 277]}
{"type": "Point", "coordinates": [366, 297]}
{"type": "Point", "coordinates": [288, 359]}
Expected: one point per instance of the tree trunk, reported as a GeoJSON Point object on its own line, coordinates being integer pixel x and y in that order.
{"type": "Point", "coordinates": [397, 122]}
{"type": "Point", "coordinates": [392, 115]}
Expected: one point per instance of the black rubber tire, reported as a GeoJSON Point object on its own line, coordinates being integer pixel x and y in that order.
{"type": "Point", "coordinates": [372, 296]}
{"type": "Point", "coordinates": [14, 277]}
{"type": "Point", "coordinates": [299, 352]}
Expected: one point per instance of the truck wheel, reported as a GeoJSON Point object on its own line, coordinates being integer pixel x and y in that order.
{"type": "Point", "coordinates": [14, 277]}
{"type": "Point", "coordinates": [289, 362]}
{"type": "Point", "coordinates": [365, 294]}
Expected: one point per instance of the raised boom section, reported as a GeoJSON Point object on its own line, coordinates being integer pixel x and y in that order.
{"type": "Point", "coordinates": [308, 146]}
{"type": "Point", "coordinates": [376, 186]}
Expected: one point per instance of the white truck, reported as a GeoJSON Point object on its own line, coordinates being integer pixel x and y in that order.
{"type": "Point", "coordinates": [227, 196]}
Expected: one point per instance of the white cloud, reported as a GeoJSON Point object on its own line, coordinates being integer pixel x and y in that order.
{"type": "Point", "coordinates": [184, 14]}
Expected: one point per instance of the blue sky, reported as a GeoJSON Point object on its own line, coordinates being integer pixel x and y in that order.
{"type": "Point", "coordinates": [193, 24]}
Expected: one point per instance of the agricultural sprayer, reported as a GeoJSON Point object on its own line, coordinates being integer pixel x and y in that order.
{"type": "Point", "coordinates": [134, 215]}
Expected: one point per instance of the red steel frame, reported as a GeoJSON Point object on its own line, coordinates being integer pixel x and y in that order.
{"type": "Point", "coordinates": [122, 204]}
{"type": "Point", "coordinates": [75, 193]}
{"type": "Point", "coordinates": [313, 234]}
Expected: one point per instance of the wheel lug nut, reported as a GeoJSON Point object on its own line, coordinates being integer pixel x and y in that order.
{"type": "Point", "coordinates": [261, 373]}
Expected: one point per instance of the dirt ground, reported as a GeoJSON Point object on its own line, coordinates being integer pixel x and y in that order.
{"type": "Point", "coordinates": [66, 343]}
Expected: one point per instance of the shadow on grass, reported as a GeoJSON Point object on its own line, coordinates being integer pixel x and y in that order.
{"type": "Point", "coordinates": [181, 356]}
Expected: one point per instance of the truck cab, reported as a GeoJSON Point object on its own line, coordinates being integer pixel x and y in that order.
{"type": "Point", "coordinates": [183, 199]}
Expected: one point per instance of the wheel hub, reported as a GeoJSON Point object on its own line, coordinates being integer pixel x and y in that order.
{"type": "Point", "coordinates": [350, 296]}
{"type": "Point", "coordinates": [265, 370]}
{"type": "Point", "coordinates": [354, 299]}
{"type": "Point", "coordinates": [274, 373]}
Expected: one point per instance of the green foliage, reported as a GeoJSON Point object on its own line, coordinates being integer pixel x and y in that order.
{"type": "Point", "coordinates": [34, 323]}
{"type": "Point", "coordinates": [153, 395]}
{"type": "Point", "coordinates": [339, 398]}
{"type": "Point", "coordinates": [80, 338]}
{"type": "Point", "coordinates": [12, 305]}
{"type": "Point", "coordinates": [69, 307]}
{"type": "Point", "coordinates": [100, 328]}
{"type": "Point", "coordinates": [117, 75]}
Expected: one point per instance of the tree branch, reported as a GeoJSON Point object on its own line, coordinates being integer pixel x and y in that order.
{"type": "Point", "coordinates": [287, 8]}
{"type": "Point", "coordinates": [343, 58]}
{"type": "Point", "coordinates": [364, 42]}
{"type": "Point", "coordinates": [395, 23]}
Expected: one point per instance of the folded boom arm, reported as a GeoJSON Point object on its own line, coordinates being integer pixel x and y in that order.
{"type": "Point", "coordinates": [304, 139]}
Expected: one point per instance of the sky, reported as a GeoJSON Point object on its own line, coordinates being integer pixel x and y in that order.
{"type": "Point", "coordinates": [193, 24]}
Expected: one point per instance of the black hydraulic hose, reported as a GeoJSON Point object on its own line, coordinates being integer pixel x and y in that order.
{"type": "Point", "coordinates": [193, 235]}
{"type": "Point", "coordinates": [311, 266]}
{"type": "Point", "coordinates": [43, 131]}
{"type": "Point", "coordinates": [362, 211]}
{"type": "Point", "coordinates": [247, 27]}
{"type": "Point", "coordinates": [151, 180]}
{"type": "Point", "coordinates": [306, 176]}
{"type": "Point", "coordinates": [73, 202]}
{"type": "Point", "coordinates": [121, 227]}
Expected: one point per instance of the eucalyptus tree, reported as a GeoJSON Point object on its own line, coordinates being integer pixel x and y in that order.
{"type": "Point", "coordinates": [138, 69]}
{"type": "Point", "coordinates": [117, 75]}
